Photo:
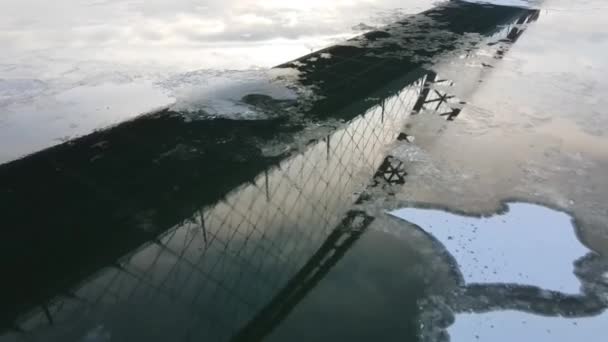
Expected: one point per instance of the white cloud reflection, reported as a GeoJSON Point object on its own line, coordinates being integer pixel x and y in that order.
{"type": "Point", "coordinates": [51, 49]}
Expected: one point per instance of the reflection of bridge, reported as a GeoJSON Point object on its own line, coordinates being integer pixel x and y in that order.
{"type": "Point", "coordinates": [126, 224]}
{"type": "Point", "coordinates": [283, 230]}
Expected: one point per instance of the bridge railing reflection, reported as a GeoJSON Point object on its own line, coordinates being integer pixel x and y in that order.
{"type": "Point", "coordinates": [226, 265]}
{"type": "Point", "coordinates": [221, 266]}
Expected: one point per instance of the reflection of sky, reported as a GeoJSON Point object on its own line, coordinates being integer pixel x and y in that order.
{"type": "Point", "coordinates": [182, 34]}
{"type": "Point", "coordinates": [117, 56]}
{"type": "Point", "coordinates": [517, 326]}
{"type": "Point", "coordinates": [528, 245]}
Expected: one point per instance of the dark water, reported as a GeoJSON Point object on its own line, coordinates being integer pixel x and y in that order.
{"type": "Point", "coordinates": [380, 188]}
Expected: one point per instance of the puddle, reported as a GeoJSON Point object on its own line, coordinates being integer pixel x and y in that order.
{"type": "Point", "coordinates": [527, 245]}
{"type": "Point", "coordinates": [522, 273]}
{"type": "Point", "coordinates": [251, 225]}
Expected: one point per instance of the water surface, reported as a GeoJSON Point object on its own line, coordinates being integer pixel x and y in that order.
{"type": "Point", "coordinates": [253, 205]}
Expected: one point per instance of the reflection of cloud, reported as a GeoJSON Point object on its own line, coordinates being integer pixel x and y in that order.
{"type": "Point", "coordinates": [186, 19]}
{"type": "Point", "coordinates": [193, 28]}
{"type": "Point", "coordinates": [51, 41]}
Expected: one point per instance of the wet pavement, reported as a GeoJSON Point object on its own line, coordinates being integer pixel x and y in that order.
{"type": "Point", "coordinates": [439, 177]}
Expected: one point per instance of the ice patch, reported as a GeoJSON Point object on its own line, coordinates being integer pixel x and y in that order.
{"type": "Point", "coordinates": [410, 153]}
{"type": "Point", "coordinates": [363, 27]}
{"type": "Point", "coordinates": [528, 245]}
{"type": "Point", "coordinates": [20, 87]}
{"type": "Point", "coordinates": [223, 93]}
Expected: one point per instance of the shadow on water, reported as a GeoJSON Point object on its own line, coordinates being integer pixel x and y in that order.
{"type": "Point", "coordinates": [163, 228]}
